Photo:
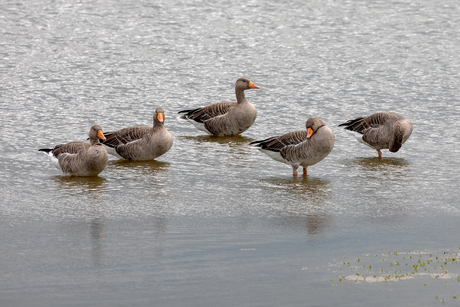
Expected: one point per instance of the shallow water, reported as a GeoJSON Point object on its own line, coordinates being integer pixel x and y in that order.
{"type": "Point", "coordinates": [214, 221]}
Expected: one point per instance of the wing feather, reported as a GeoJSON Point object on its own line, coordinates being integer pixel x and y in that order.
{"type": "Point", "coordinates": [209, 112]}
{"type": "Point", "coordinates": [69, 148]}
{"type": "Point", "coordinates": [277, 143]}
{"type": "Point", "coordinates": [126, 135]}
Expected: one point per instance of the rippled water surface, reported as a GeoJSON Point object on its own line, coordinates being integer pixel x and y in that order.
{"type": "Point", "coordinates": [214, 222]}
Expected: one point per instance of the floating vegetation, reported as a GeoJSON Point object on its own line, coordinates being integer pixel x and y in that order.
{"type": "Point", "coordinates": [428, 266]}
{"type": "Point", "coordinates": [399, 266]}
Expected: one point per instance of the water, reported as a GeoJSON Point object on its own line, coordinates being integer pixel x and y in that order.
{"type": "Point", "coordinates": [214, 222]}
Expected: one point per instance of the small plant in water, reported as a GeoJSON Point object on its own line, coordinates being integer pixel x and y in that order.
{"type": "Point", "coordinates": [422, 262]}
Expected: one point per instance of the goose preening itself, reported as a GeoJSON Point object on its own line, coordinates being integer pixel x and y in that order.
{"type": "Point", "coordinates": [300, 148]}
{"type": "Point", "coordinates": [380, 130]}
{"type": "Point", "coordinates": [80, 158]}
{"type": "Point", "coordinates": [225, 118]}
{"type": "Point", "coordinates": [140, 143]}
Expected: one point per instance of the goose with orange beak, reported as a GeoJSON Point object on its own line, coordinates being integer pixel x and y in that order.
{"type": "Point", "coordinates": [80, 158]}
{"type": "Point", "coordinates": [225, 118]}
{"type": "Point", "coordinates": [300, 148]}
{"type": "Point", "coordinates": [140, 143]}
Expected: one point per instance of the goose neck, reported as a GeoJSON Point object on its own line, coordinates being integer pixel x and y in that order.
{"type": "Point", "coordinates": [93, 142]}
{"type": "Point", "coordinates": [240, 97]}
{"type": "Point", "coordinates": [156, 126]}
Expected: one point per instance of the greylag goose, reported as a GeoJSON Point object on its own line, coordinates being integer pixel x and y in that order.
{"type": "Point", "coordinates": [300, 148]}
{"type": "Point", "coordinates": [225, 118]}
{"type": "Point", "coordinates": [380, 130]}
{"type": "Point", "coordinates": [140, 143]}
{"type": "Point", "coordinates": [80, 158]}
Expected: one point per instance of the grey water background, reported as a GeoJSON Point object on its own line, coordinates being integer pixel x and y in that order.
{"type": "Point", "coordinates": [214, 222]}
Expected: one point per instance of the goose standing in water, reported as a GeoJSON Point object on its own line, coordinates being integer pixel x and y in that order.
{"type": "Point", "coordinates": [80, 158]}
{"type": "Point", "coordinates": [140, 143]}
{"type": "Point", "coordinates": [225, 118]}
{"type": "Point", "coordinates": [380, 130]}
{"type": "Point", "coordinates": [300, 148]}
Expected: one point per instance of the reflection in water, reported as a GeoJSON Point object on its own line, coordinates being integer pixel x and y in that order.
{"type": "Point", "coordinates": [317, 223]}
{"type": "Point", "coordinates": [237, 139]}
{"type": "Point", "coordinates": [150, 168]}
{"type": "Point", "coordinates": [89, 201]}
{"type": "Point", "coordinates": [154, 172]}
{"type": "Point", "coordinates": [312, 211]}
{"type": "Point", "coordinates": [312, 189]}
{"type": "Point", "coordinates": [159, 230]}
{"type": "Point", "coordinates": [146, 181]}
{"type": "Point", "coordinates": [379, 187]}
{"type": "Point", "coordinates": [96, 232]}
{"type": "Point", "coordinates": [375, 163]}
{"type": "Point", "coordinates": [383, 169]}
{"type": "Point", "coordinates": [93, 187]}
{"type": "Point", "coordinates": [237, 146]}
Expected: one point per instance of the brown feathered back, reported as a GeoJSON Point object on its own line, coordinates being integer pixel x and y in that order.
{"type": "Point", "coordinates": [81, 158]}
{"type": "Point", "coordinates": [381, 130]}
{"type": "Point", "coordinates": [225, 118]}
{"type": "Point", "coordinates": [295, 148]}
{"type": "Point", "coordinates": [140, 143]}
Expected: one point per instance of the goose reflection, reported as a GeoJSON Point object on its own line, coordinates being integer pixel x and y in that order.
{"type": "Point", "coordinates": [153, 168]}
{"type": "Point", "coordinates": [237, 145]}
{"type": "Point", "coordinates": [149, 178]}
{"type": "Point", "coordinates": [306, 204]}
{"type": "Point", "coordinates": [378, 186]}
{"type": "Point", "coordinates": [237, 139]}
{"type": "Point", "coordinates": [375, 167]}
{"type": "Point", "coordinates": [96, 229]}
{"type": "Point", "coordinates": [92, 187]}
{"type": "Point", "coordinates": [308, 187]}
{"type": "Point", "coordinates": [383, 162]}
{"type": "Point", "coordinates": [159, 226]}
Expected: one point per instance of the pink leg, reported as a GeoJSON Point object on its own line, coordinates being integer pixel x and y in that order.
{"type": "Point", "coordinates": [304, 170]}
{"type": "Point", "coordinates": [294, 173]}
{"type": "Point", "coordinates": [380, 154]}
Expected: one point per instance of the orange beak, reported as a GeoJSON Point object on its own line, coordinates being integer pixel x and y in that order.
{"type": "Point", "coordinates": [252, 85]}
{"type": "Point", "coordinates": [161, 117]}
{"type": "Point", "coordinates": [309, 132]}
{"type": "Point", "coordinates": [101, 135]}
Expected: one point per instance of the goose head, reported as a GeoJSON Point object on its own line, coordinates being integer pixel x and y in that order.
{"type": "Point", "coordinates": [158, 116]}
{"type": "Point", "coordinates": [312, 125]}
{"type": "Point", "coordinates": [243, 84]}
{"type": "Point", "coordinates": [95, 133]}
